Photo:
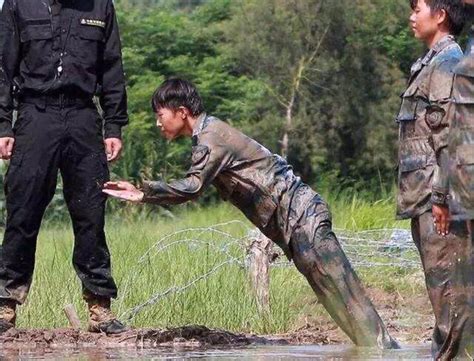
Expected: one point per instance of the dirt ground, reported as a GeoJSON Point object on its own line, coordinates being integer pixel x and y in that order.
{"type": "Point", "coordinates": [408, 319]}
{"type": "Point", "coordinates": [198, 336]}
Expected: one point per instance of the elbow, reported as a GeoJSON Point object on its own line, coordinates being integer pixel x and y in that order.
{"type": "Point", "coordinates": [193, 191]}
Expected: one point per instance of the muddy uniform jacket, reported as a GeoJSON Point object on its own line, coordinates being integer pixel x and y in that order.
{"type": "Point", "coordinates": [261, 184]}
{"type": "Point", "coordinates": [461, 138]}
{"type": "Point", "coordinates": [423, 127]}
{"type": "Point", "coordinates": [64, 47]}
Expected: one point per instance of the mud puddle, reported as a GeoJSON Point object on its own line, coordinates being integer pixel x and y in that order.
{"type": "Point", "coordinates": [258, 352]}
{"type": "Point", "coordinates": [190, 342]}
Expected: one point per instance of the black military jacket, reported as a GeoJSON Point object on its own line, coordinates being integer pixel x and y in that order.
{"type": "Point", "coordinates": [69, 47]}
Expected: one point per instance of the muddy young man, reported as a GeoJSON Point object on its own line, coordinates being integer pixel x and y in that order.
{"type": "Point", "coordinates": [262, 185]}
{"type": "Point", "coordinates": [460, 165]}
{"type": "Point", "coordinates": [422, 181]}
{"type": "Point", "coordinates": [58, 54]}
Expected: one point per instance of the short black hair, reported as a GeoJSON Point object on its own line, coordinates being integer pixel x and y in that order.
{"type": "Point", "coordinates": [454, 9]}
{"type": "Point", "coordinates": [176, 92]}
{"type": "Point", "coordinates": [469, 10]}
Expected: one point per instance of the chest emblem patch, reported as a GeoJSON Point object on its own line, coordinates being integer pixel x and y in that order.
{"type": "Point", "coordinates": [93, 22]}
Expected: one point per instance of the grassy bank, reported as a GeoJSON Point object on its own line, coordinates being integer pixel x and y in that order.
{"type": "Point", "coordinates": [223, 299]}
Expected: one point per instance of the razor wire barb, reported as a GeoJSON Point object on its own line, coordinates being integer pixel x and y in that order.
{"type": "Point", "coordinates": [369, 248]}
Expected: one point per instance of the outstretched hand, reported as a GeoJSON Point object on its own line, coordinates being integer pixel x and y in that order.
{"type": "Point", "coordinates": [123, 190]}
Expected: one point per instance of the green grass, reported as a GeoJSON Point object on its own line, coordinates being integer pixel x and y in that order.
{"type": "Point", "coordinates": [223, 300]}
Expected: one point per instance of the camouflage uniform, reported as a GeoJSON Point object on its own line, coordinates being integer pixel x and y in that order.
{"type": "Point", "coordinates": [461, 139]}
{"type": "Point", "coordinates": [423, 181]}
{"type": "Point", "coordinates": [424, 129]}
{"type": "Point", "coordinates": [461, 200]}
{"type": "Point", "coordinates": [262, 185]}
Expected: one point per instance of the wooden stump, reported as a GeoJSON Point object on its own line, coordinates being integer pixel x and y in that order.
{"type": "Point", "coordinates": [72, 316]}
{"type": "Point", "coordinates": [259, 268]}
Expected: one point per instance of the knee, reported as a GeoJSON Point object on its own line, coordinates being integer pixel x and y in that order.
{"type": "Point", "coordinates": [305, 248]}
{"type": "Point", "coordinates": [304, 260]}
{"type": "Point", "coordinates": [86, 216]}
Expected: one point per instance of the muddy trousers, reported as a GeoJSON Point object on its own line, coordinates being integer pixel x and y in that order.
{"type": "Point", "coordinates": [448, 265]}
{"type": "Point", "coordinates": [51, 139]}
{"type": "Point", "coordinates": [318, 255]}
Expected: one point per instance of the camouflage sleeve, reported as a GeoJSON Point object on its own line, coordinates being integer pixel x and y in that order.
{"type": "Point", "coordinates": [437, 118]}
{"type": "Point", "coordinates": [440, 187]}
{"type": "Point", "coordinates": [208, 160]}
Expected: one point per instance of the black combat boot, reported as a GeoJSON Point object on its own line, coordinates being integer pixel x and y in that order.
{"type": "Point", "coordinates": [7, 314]}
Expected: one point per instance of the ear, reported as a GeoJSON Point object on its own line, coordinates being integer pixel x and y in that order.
{"type": "Point", "coordinates": [184, 112]}
{"type": "Point", "coordinates": [442, 17]}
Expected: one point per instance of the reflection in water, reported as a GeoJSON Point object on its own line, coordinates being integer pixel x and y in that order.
{"type": "Point", "coordinates": [331, 353]}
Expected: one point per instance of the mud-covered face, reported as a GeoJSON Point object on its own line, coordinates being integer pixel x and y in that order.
{"type": "Point", "coordinates": [171, 122]}
{"type": "Point", "coordinates": [424, 22]}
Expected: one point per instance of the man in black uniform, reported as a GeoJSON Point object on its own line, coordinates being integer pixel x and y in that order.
{"type": "Point", "coordinates": [56, 55]}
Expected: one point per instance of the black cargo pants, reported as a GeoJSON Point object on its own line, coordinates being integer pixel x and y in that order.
{"type": "Point", "coordinates": [64, 136]}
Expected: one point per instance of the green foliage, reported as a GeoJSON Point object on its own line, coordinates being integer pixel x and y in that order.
{"type": "Point", "coordinates": [243, 56]}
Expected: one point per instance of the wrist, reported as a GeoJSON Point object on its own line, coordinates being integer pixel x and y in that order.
{"type": "Point", "coordinates": [6, 133]}
{"type": "Point", "coordinates": [112, 131]}
{"type": "Point", "coordinates": [113, 139]}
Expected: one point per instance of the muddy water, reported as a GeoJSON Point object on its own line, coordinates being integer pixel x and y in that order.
{"type": "Point", "coordinates": [339, 353]}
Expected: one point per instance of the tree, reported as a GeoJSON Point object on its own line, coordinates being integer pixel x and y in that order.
{"type": "Point", "coordinates": [278, 41]}
{"type": "Point", "coordinates": [333, 70]}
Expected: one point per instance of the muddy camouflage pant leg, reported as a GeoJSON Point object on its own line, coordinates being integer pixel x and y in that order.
{"type": "Point", "coordinates": [49, 140]}
{"type": "Point", "coordinates": [319, 257]}
{"type": "Point", "coordinates": [449, 273]}
{"type": "Point", "coordinates": [465, 281]}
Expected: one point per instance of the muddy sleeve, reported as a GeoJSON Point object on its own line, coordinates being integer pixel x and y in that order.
{"type": "Point", "coordinates": [209, 158]}
{"type": "Point", "coordinates": [9, 62]}
{"type": "Point", "coordinates": [437, 118]}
